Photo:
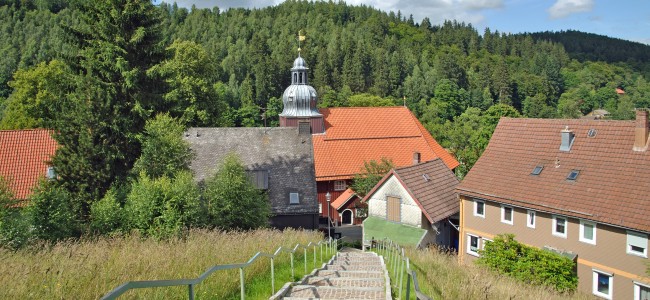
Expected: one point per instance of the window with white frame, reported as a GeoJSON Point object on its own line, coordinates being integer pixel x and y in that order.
{"type": "Point", "coordinates": [637, 243]}
{"type": "Point", "coordinates": [588, 232]}
{"type": "Point", "coordinates": [603, 284]}
{"type": "Point", "coordinates": [479, 208]}
{"type": "Point", "coordinates": [641, 291]}
{"type": "Point", "coordinates": [340, 185]}
{"type": "Point", "coordinates": [320, 208]}
{"type": "Point", "coordinates": [530, 219]}
{"type": "Point", "coordinates": [472, 245]}
{"type": "Point", "coordinates": [293, 198]}
{"type": "Point", "coordinates": [507, 214]}
{"type": "Point", "coordinates": [559, 226]}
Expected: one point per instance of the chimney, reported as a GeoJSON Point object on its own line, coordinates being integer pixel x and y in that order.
{"type": "Point", "coordinates": [641, 131]}
{"type": "Point", "coordinates": [416, 158]}
{"type": "Point", "coordinates": [567, 139]}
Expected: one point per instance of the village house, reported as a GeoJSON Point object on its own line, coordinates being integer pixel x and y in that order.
{"type": "Point", "coordinates": [24, 159]}
{"type": "Point", "coordinates": [578, 187]}
{"type": "Point", "coordinates": [420, 196]}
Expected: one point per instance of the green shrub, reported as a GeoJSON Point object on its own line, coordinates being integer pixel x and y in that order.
{"type": "Point", "coordinates": [529, 264]}
{"type": "Point", "coordinates": [14, 227]}
{"type": "Point", "coordinates": [106, 215]}
{"type": "Point", "coordinates": [53, 213]}
{"type": "Point", "coordinates": [164, 206]}
{"type": "Point", "coordinates": [233, 201]}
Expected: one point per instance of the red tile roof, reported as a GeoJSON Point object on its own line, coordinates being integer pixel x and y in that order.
{"type": "Point", "coordinates": [354, 135]}
{"type": "Point", "coordinates": [23, 158]}
{"type": "Point", "coordinates": [431, 184]}
{"type": "Point", "coordinates": [613, 186]}
{"type": "Point", "coordinates": [342, 199]}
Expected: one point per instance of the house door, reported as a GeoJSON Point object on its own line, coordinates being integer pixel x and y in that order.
{"type": "Point", "coordinates": [346, 218]}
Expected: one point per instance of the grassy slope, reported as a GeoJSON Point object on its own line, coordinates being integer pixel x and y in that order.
{"type": "Point", "coordinates": [401, 234]}
{"type": "Point", "coordinates": [89, 269]}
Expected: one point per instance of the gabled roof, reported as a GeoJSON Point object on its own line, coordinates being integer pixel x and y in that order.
{"type": "Point", "coordinates": [613, 185]}
{"type": "Point", "coordinates": [354, 135]}
{"type": "Point", "coordinates": [430, 184]}
{"type": "Point", "coordinates": [24, 157]}
{"type": "Point", "coordinates": [342, 199]}
{"type": "Point", "coordinates": [283, 152]}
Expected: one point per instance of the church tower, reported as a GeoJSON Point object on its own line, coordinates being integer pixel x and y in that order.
{"type": "Point", "coordinates": [300, 100]}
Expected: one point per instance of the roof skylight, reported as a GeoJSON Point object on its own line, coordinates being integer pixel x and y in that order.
{"type": "Point", "coordinates": [537, 170]}
{"type": "Point", "coordinates": [573, 175]}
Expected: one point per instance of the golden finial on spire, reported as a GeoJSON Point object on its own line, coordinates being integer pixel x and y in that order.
{"type": "Point", "coordinates": [301, 38]}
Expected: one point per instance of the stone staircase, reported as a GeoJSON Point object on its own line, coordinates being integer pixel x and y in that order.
{"type": "Point", "coordinates": [351, 274]}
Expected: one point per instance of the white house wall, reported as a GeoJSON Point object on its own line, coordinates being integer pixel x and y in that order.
{"type": "Point", "coordinates": [409, 210]}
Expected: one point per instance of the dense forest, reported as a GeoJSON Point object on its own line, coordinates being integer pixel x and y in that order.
{"type": "Point", "coordinates": [96, 74]}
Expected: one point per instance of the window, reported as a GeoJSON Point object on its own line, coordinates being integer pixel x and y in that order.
{"type": "Point", "coordinates": [637, 243]}
{"type": "Point", "coordinates": [559, 226]}
{"type": "Point", "coordinates": [479, 208]}
{"type": "Point", "coordinates": [588, 232]}
{"type": "Point", "coordinates": [472, 245]}
{"type": "Point", "coordinates": [573, 175]}
{"type": "Point", "coordinates": [537, 170]}
{"type": "Point", "coordinates": [340, 185]}
{"type": "Point", "coordinates": [506, 214]}
{"type": "Point", "coordinates": [530, 219]}
{"type": "Point", "coordinates": [641, 291]}
{"type": "Point", "coordinates": [603, 285]}
{"type": "Point", "coordinates": [393, 209]}
{"type": "Point", "coordinates": [320, 208]}
{"type": "Point", "coordinates": [485, 242]}
{"type": "Point", "coordinates": [293, 198]}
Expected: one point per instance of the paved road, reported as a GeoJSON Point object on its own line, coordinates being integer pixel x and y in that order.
{"type": "Point", "coordinates": [350, 233]}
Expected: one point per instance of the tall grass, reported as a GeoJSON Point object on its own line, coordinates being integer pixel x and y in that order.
{"type": "Point", "coordinates": [88, 269]}
{"type": "Point", "coordinates": [441, 277]}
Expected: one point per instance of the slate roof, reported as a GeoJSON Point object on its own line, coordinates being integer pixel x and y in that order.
{"type": "Point", "coordinates": [354, 135]}
{"type": "Point", "coordinates": [24, 157]}
{"type": "Point", "coordinates": [434, 193]}
{"type": "Point", "coordinates": [613, 186]}
{"type": "Point", "coordinates": [286, 155]}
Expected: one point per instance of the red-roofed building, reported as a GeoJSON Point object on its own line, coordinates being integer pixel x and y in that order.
{"type": "Point", "coordinates": [24, 157]}
{"type": "Point", "coordinates": [355, 135]}
{"type": "Point", "coordinates": [578, 187]}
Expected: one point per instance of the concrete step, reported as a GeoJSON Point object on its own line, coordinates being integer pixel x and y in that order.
{"type": "Point", "coordinates": [342, 282]}
{"type": "Point", "coordinates": [371, 267]}
{"type": "Point", "coordinates": [326, 292]}
{"type": "Point", "coordinates": [349, 274]}
{"type": "Point", "coordinates": [361, 261]}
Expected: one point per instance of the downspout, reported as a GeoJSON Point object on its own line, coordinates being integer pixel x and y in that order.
{"type": "Point", "coordinates": [461, 232]}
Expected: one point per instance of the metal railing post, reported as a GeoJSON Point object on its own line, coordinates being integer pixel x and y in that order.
{"type": "Point", "coordinates": [305, 254]}
{"type": "Point", "coordinates": [293, 275]}
{"type": "Point", "coordinates": [241, 282]}
{"type": "Point", "coordinates": [401, 273]}
{"type": "Point", "coordinates": [314, 256]}
{"type": "Point", "coordinates": [191, 291]}
{"type": "Point", "coordinates": [272, 277]}
{"type": "Point", "coordinates": [408, 286]}
{"type": "Point", "coordinates": [321, 253]}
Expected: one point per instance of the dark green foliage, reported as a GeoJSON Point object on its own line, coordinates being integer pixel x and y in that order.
{"type": "Point", "coordinates": [54, 213]}
{"type": "Point", "coordinates": [107, 214]}
{"type": "Point", "coordinates": [162, 207]}
{"type": "Point", "coordinates": [14, 225]}
{"type": "Point", "coordinates": [232, 200]}
{"type": "Point", "coordinates": [529, 264]}
{"type": "Point", "coordinates": [371, 173]}
{"type": "Point", "coordinates": [164, 152]}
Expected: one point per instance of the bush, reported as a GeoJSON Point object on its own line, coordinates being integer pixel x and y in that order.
{"type": "Point", "coordinates": [529, 264]}
{"type": "Point", "coordinates": [163, 207]}
{"type": "Point", "coordinates": [14, 227]}
{"type": "Point", "coordinates": [106, 215]}
{"type": "Point", "coordinates": [53, 213]}
{"type": "Point", "coordinates": [233, 201]}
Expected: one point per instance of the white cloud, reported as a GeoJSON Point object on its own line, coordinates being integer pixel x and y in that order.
{"type": "Point", "coordinates": [563, 8]}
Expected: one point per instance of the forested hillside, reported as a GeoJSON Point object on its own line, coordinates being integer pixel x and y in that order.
{"type": "Point", "coordinates": [213, 68]}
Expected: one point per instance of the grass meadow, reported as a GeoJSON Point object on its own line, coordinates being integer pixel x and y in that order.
{"type": "Point", "coordinates": [441, 277]}
{"type": "Point", "coordinates": [88, 269]}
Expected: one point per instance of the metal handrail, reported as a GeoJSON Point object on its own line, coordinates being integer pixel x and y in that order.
{"type": "Point", "coordinates": [400, 264]}
{"type": "Point", "coordinates": [330, 245]}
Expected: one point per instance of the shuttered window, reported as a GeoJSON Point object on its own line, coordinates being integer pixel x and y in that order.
{"type": "Point", "coordinates": [393, 209]}
{"type": "Point", "coordinates": [259, 178]}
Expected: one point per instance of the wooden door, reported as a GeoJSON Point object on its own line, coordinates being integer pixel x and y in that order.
{"type": "Point", "coordinates": [393, 209]}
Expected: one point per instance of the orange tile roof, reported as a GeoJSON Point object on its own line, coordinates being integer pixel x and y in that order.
{"type": "Point", "coordinates": [354, 135]}
{"type": "Point", "coordinates": [343, 198]}
{"type": "Point", "coordinates": [23, 158]}
{"type": "Point", "coordinates": [612, 187]}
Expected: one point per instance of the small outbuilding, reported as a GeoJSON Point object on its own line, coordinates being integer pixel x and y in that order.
{"type": "Point", "coordinates": [415, 205]}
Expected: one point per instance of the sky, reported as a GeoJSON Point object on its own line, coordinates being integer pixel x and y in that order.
{"type": "Point", "coordinates": [624, 19]}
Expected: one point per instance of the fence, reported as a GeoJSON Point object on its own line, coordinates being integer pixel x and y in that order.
{"type": "Point", "coordinates": [331, 246]}
{"type": "Point", "coordinates": [399, 264]}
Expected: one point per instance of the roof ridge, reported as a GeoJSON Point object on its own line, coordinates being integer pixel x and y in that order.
{"type": "Point", "coordinates": [371, 138]}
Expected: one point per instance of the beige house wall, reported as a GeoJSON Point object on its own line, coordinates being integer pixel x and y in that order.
{"type": "Point", "coordinates": [410, 212]}
{"type": "Point", "coordinates": [609, 254]}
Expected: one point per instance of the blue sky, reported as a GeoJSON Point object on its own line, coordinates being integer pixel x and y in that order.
{"type": "Point", "coordinates": [625, 19]}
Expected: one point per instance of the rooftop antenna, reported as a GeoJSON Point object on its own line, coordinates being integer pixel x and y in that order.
{"type": "Point", "coordinates": [301, 38]}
